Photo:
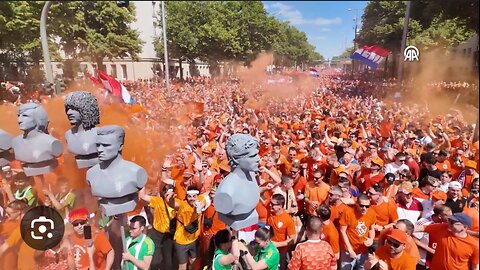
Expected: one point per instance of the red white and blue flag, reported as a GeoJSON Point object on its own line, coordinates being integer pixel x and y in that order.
{"type": "Point", "coordinates": [115, 87]}
{"type": "Point", "coordinates": [371, 55]}
{"type": "Point", "coordinates": [313, 72]}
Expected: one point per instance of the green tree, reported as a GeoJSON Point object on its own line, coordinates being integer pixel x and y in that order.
{"type": "Point", "coordinates": [93, 30]}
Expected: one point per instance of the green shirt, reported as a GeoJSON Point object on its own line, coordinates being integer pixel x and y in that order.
{"type": "Point", "coordinates": [216, 260]}
{"type": "Point", "coordinates": [139, 248]}
{"type": "Point", "coordinates": [27, 195]}
{"type": "Point", "coordinates": [269, 254]}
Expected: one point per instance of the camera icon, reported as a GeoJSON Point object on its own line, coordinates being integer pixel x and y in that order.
{"type": "Point", "coordinates": [41, 228]}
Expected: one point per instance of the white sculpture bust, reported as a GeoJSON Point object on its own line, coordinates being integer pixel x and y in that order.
{"type": "Point", "coordinates": [35, 149]}
{"type": "Point", "coordinates": [82, 110]}
{"type": "Point", "coordinates": [114, 180]}
{"type": "Point", "coordinates": [238, 193]}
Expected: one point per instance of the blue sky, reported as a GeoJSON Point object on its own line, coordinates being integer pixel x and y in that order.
{"type": "Point", "coordinates": [328, 24]}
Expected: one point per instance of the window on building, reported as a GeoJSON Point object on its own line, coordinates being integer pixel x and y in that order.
{"type": "Point", "coordinates": [113, 72]}
{"type": "Point", "coordinates": [464, 52]}
{"type": "Point", "coordinates": [104, 67]}
{"type": "Point", "coordinates": [469, 51]}
{"type": "Point", "coordinates": [124, 72]}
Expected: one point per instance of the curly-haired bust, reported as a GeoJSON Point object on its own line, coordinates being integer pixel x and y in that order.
{"type": "Point", "coordinates": [35, 148]}
{"type": "Point", "coordinates": [82, 111]}
{"type": "Point", "coordinates": [238, 194]}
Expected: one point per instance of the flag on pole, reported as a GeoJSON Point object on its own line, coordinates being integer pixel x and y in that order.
{"type": "Point", "coordinates": [115, 87]}
{"type": "Point", "coordinates": [371, 55]}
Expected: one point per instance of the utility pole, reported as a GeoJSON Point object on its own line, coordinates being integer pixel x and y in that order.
{"type": "Point", "coordinates": [44, 41]}
{"type": "Point", "coordinates": [355, 35]}
{"type": "Point", "coordinates": [403, 45]}
{"type": "Point", "coordinates": [165, 51]}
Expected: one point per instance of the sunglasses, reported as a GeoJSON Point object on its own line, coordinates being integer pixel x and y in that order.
{"type": "Point", "coordinates": [317, 178]}
{"type": "Point", "coordinates": [393, 244]}
{"type": "Point", "coordinates": [294, 171]}
{"type": "Point", "coordinates": [402, 160]}
{"type": "Point", "coordinates": [364, 206]}
{"type": "Point", "coordinates": [273, 204]}
{"type": "Point", "coordinates": [75, 224]}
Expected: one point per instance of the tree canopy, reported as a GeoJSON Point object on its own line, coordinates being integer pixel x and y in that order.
{"type": "Point", "coordinates": [230, 30]}
{"type": "Point", "coordinates": [432, 24]}
{"type": "Point", "coordinates": [83, 30]}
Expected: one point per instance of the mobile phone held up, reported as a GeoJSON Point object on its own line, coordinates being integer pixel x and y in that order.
{"type": "Point", "coordinates": [87, 232]}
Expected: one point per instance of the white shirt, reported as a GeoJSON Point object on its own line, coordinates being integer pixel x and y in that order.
{"type": "Point", "coordinates": [394, 168]}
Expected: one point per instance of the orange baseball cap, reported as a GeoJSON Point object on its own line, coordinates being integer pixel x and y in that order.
{"type": "Point", "coordinates": [471, 164]}
{"type": "Point", "coordinates": [377, 161]}
{"type": "Point", "coordinates": [439, 195]}
{"type": "Point", "coordinates": [398, 235]}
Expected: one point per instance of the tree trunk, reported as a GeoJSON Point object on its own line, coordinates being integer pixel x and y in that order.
{"type": "Point", "coordinates": [99, 61]}
{"type": "Point", "coordinates": [181, 68]}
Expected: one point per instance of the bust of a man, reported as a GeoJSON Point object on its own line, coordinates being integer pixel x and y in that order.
{"type": "Point", "coordinates": [238, 193]}
{"type": "Point", "coordinates": [35, 149]}
{"type": "Point", "coordinates": [5, 145]}
{"type": "Point", "coordinates": [114, 180]}
{"type": "Point", "coordinates": [82, 110]}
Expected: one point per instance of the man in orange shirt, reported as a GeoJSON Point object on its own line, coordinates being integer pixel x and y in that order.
{"type": "Point", "coordinates": [358, 232]}
{"type": "Point", "coordinates": [455, 248]}
{"type": "Point", "coordinates": [329, 232]}
{"type": "Point", "coordinates": [103, 255]}
{"type": "Point", "coordinates": [443, 164]}
{"type": "Point", "coordinates": [385, 209]}
{"type": "Point", "coordinates": [336, 205]}
{"type": "Point", "coordinates": [316, 192]}
{"type": "Point", "coordinates": [314, 253]}
{"type": "Point", "coordinates": [371, 176]}
{"type": "Point", "coordinates": [283, 227]}
{"type": "Point", "coordinates": [14, 213]}
{"type": "Point", "coordinates": [392, 255]}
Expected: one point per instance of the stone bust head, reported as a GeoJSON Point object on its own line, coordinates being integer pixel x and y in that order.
{"type": "Point", "coordinates": [81, 108]}
{"type": "Point", "coordinates": [32, 116]}
{"type": "Point", "coordinates": [242, 152]}
{"type": "Point", "coordinates": [110, 141]}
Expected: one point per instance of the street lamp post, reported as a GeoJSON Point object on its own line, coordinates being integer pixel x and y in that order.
{"type": "Point", "coordinates": [165, 51]}
{"type": "Point", "coordinates": [44, 40]}
{"type": "Point", "coordinates": [404, 43]}
{"type": "Point", "coordinates": [355, 35]}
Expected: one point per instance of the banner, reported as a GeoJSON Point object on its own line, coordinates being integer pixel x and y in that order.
{"type": "Point", "coordinates": [313, 72]}
{"type": "Point", "coordinates": [371, 55]}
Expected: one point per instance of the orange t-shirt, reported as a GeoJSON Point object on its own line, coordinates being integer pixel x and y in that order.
{"type": "Point", "coordinates": [404, 262]}
{"type": "Point", "coordinates": [358, 227]}
{"type": "Point", "coordinates": [385, 128]}
{"type": "Point", "coordinates": [9, 258]}
{"type": "Point", "coordinates": [334, 176]}
{"type": "Point", "coordinates": [102, 248]}
{"type": "Point", "coordinates": [386, 212]}
{"type": "Point", "coordinates": [262, 212]}
{"type": "Point", "coordinates": [418, 193]}
{"type": "Point", "coordinates": [451, 252]}
{"type": "Point", "coordinates": [330, 235]}
{"type": "Point", "coordinates": [366, 180]}
{"type": "Point", "coordinates": [316, 193]}
{"type": "Point", "coordinates": [336, 213]}
{"type": "Point", "coordinates": [283, 225]}
{"type": "Point", "coordinates": [444, 166]}
{"type": "Point", "coordinates": [473, 214]}
{"type": "Point", "coordinates": [299, 185]}
{"type": "Point", "coordinates": [217, 224]}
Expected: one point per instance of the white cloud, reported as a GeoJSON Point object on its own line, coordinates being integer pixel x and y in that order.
{"type": "Point", "coordinates": [319, 38]}
{"type": "Point", "coordinates": [295, 17]}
